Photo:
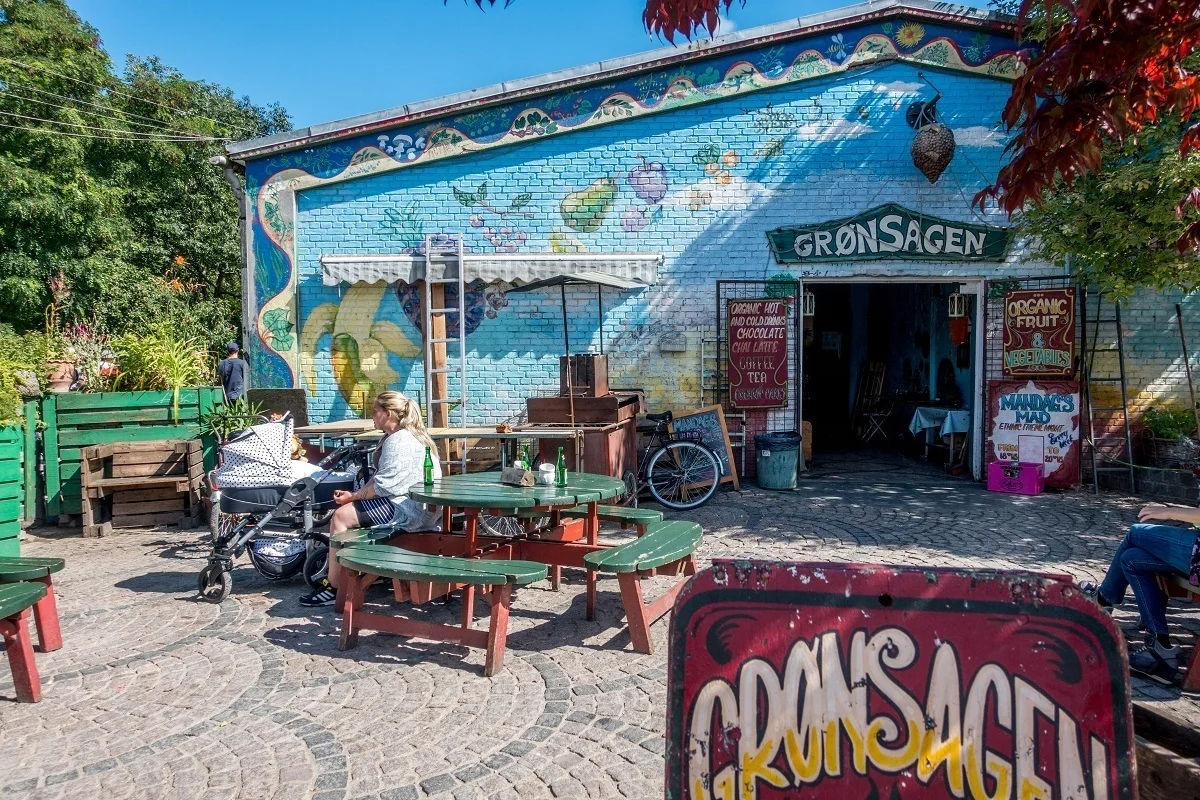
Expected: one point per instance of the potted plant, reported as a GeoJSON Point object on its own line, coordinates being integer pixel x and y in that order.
{"type": "Point", "coordinates": [159, 358]}
{"type": "Point", "coordinates": [1169, 442]}
{"type": "Point", "coordinates": [60, 361]}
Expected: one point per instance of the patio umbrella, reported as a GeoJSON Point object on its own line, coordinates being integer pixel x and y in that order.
{"type": "Point", "coordinates": [597, 279]}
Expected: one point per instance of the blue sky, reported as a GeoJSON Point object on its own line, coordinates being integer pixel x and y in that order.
{"type": "Point", "coordinates": [328, 59]}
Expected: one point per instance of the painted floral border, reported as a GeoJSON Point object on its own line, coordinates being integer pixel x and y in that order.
{"type": "Point", "coordinates": [272, 181]}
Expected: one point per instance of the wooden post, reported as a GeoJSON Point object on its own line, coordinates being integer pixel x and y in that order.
{"type": "Point", "coordinates": [30, 462]}
{"type": "Point", "coordinates": [50, 454]}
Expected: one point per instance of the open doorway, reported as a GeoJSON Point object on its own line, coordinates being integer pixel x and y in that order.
{"type": "Point", "coordinates": [882, 359]}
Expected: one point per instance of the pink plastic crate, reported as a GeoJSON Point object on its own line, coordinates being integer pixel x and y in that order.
{"type": "Point", "coordinates": [1015, 478]}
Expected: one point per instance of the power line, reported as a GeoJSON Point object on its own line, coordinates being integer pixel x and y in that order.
{"type": "Point", "coordinates": [120, 93]}
{"type": "Point", "coordinates": [143, 135]}
{"type": "Point", "coordinates": [94, 114]}
{"type": "Point", "coordinates": [77, 135]}
{"type": "Point", "coordinates": [152, 121]}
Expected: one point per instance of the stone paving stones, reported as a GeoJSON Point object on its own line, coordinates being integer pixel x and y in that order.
{"type": "Point", "coordinates": [157, 695]}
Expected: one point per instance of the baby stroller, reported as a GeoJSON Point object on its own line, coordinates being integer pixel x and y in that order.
{"type": "Point", "coordinates": [269, 506]}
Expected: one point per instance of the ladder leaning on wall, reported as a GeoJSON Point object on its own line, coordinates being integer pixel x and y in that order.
{"type": "Point", "coordinates": [1107, 453]}
{"type": "Point", "coordinates": [445, 350]}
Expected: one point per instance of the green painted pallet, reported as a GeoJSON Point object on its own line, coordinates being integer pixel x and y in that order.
{"type": "Point", "coordinates": [74, 421]}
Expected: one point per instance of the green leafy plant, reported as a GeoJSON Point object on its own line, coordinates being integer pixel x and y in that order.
{"type": "Point", "coordinates": [21, 360]}
{"type": "Point", "coordinates": [160, 359]}
{"type": "Point", "coordinates": [229, 417]}
{"type": "Point", "coordinates": [1169, 423]}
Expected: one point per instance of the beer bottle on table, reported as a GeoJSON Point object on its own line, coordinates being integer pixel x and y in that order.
{"type": "Point", "coordinates": [560, 471]}
{"type": "Point", "coordinates": [428, 467]}
{"type": "Point", "coordinates": [523, 458]}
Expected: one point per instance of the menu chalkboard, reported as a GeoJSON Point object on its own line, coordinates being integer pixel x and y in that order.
{"type": "Point", "coordinates": [708, 426]}
{"type": "Point", "coordinates": [758, 353]}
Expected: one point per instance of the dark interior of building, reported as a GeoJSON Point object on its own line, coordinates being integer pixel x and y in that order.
{"type": "Point", "coordinates": [875, 352]}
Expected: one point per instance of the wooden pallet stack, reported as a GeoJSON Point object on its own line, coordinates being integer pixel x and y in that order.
{"type": "Point", "coordinates": [149, 484]}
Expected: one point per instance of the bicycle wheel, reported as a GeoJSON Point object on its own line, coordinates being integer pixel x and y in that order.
{"type": "Point", "coordinates": [683, 475]}
{"type": "Point", "coordinates": [506, 526]}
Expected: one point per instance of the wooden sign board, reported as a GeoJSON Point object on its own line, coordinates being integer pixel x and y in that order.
{"type": "Point", "coordinates": [1039, 333]}
{"type": "Point", "coordinates": [707, 425]}
{"type": "Point", "coordinates": [758, 353]}
{"type": "Point", "coordinates": [862, 682]}
{"type": "Point", "coordinates": [1023, 409]}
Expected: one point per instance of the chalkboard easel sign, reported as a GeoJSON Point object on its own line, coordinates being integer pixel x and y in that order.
{"type": "Point", "coordinates": [708, 424]}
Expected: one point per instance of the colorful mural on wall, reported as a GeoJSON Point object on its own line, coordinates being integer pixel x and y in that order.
{"type": "Point", "coordinates": [273, 181]}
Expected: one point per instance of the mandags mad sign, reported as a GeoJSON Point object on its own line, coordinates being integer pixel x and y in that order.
{"type": "Point", "coordinates": [865, 682]}
{"type": "Point", "coordinates": [890, 231]}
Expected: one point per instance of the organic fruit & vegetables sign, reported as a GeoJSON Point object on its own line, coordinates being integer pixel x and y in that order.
{"type": "Point", "coordinates": [868, 682]}
{"type": "Point", "coordinates": [890, 231]}
{"type": "Point", "coordinates": [1039, 333]}
{"type": "Point", "coordinates": [758, 353]}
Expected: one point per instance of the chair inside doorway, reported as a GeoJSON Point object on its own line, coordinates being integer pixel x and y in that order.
{"type": "Point", "coordinates": [874, 354]}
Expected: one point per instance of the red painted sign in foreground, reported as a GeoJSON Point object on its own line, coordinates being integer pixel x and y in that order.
{"type": "Point", "coordinates": [877, 683]}
{"type": "Point", "coordinates": [758, 353]}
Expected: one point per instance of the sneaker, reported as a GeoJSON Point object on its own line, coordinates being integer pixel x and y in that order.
{"type": "Point", "coordinates": [1091, 591]}
{"type": "Point", "coordinates": [321, 597]}
{"type": "Point", "coordinates": [1153, 661]}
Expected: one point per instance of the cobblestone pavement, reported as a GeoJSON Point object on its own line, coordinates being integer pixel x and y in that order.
{"type": "Point", "coordinates": [157, 695]}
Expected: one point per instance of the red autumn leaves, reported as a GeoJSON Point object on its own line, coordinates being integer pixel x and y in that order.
{"type": "Point", "coordinates": [1110, 70]}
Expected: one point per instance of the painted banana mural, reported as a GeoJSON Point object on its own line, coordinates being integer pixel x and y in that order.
{"type": "Point", "coordinates": [359, 346]}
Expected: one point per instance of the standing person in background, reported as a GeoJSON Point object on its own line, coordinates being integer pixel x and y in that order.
{"type": "Point", "coordinates": [234, 374]}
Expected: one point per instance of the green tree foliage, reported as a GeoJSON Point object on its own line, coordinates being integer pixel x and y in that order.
{"type": "Point", "coordinates": [1119, 225]}
{"type": "Point", "coordinates": [106, 178]}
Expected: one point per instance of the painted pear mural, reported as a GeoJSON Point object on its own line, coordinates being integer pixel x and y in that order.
{"type": "Point", "coordinates": [359, 345]}
{"type": "Point", "coordinates": [585, 210]}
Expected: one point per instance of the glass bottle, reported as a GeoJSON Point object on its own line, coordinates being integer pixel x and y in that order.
{"type": "Point", "coordinates": [428, 467]}
{"type": "Point", "coordinates": [560, 471]}
{"type": "Point", "coordinates": [523, 458]}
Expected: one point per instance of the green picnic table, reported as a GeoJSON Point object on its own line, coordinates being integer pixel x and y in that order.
{"type": "Point", "coordinates": [482, 491]}
{"type": "Point", "coordinates": [428, 564]}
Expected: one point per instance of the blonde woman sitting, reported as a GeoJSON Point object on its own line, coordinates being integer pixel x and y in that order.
{"type": "Point", "coordinates": [399, 465]}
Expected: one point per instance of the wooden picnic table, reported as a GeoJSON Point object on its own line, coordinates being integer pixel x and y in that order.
{"type": "Point", "coordinates": [564, 543]}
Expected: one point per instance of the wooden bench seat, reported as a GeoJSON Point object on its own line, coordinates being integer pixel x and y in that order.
{"type": "Point", "coordinates": [362, 564]}
{"type": "Point", "coordinates": [15, 601]}
{"type": "Point", "coordinates": [667, 548]}
{"type": "Point", "coordinates": [625, 516]}
{"type": "Point", "coordinates": [148, 484]}
{"type": "Point", "coordinates": [14, 569]}
{"type": "Point", "coordinates": [1179, 586]}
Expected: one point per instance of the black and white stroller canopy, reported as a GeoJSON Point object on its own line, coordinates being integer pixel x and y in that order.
{"type": "Point", "coordinates": [259, 456]}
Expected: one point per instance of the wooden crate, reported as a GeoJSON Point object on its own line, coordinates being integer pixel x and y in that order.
{"type": "Point", "coordinates": [76, 420]}
{"type": "Point", "coordinates": [588, 373]}
{"type": "Point", "coordinates": [149, 484]}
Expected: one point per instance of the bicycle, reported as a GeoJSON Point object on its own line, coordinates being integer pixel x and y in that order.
{"type": "Point", "coordinates": [680, 473]}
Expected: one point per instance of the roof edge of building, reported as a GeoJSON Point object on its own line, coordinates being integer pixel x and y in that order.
{"type": "Point", "coordinates": [607, 69]}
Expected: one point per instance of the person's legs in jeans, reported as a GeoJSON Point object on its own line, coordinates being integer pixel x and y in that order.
{"type": "Point", "coordinates": [1169, 543]}
{"type": "Point", "coordinates": [1146, 554]}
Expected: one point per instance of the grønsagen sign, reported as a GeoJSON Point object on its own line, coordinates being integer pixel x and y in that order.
{"type": "Point", "coordinates": [890, 231]}
{"type": "Point", "coordinates": [873, 683]}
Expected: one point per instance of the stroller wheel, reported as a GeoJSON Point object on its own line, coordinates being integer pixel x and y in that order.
{"type": "Point", "coordinates": [316, 567]}
{"type": "Point", "coordinates": [214, 583]}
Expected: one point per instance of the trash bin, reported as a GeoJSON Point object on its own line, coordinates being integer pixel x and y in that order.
{"type": "Point", "coordinates": [778, 458]}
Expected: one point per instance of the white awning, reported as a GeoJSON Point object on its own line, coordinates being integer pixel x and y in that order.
{"type": "Point", "coordinates": [508, 267]}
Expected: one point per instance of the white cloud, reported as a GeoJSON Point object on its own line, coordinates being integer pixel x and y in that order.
{"type": "Point", "coordinates": [834, 129]}
{"type": "Point", "coordinates": [978, 136]}
{"type": "Point", "coordinates": [897, 88]}
{"type": "Point", "coordinates": [724, 25]}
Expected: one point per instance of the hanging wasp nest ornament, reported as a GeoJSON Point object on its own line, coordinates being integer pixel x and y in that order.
{"type": "Point", "coordinates": [933, 146]}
